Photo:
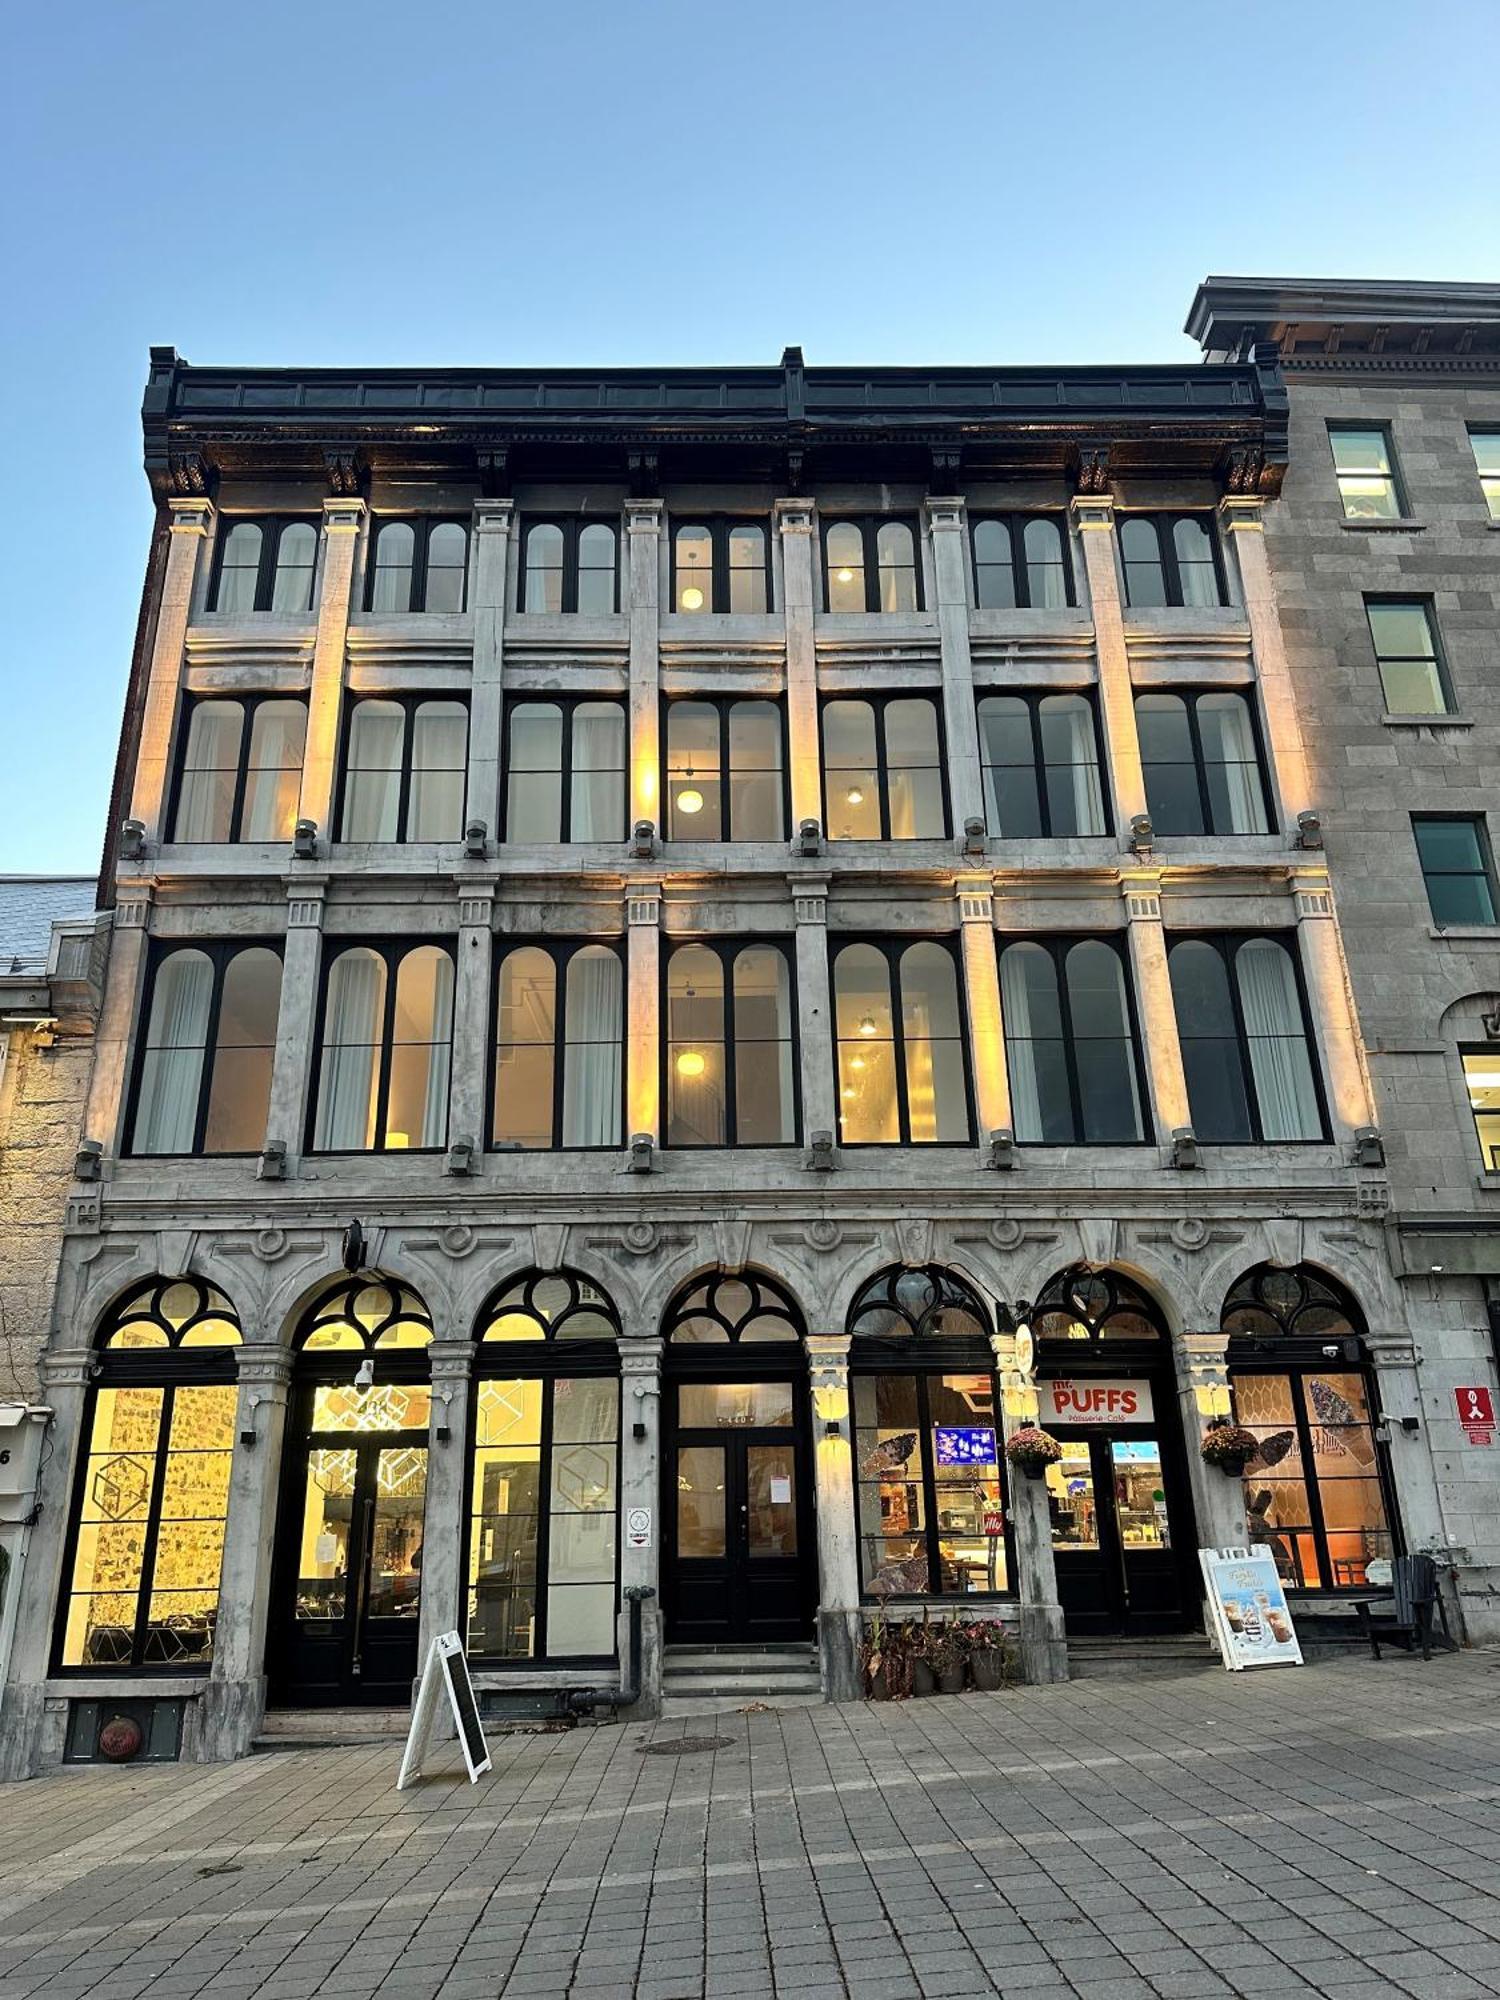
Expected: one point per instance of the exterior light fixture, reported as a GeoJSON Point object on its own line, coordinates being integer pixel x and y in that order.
{"type": "Point", "coordinates": [305, 840]}
{"type": "Point", "coordinates": [1369, 1147]}
{"type": "Point", "coordinates": [88, 1161]}
{"type": "Point", "coordinates": [819, 1158]}
{"type": "Point", "coordinates": [364, 1374]}
{"type": "Point", "coordinates": [643, 839]}
{"type": "Point", "coordinates": [272, 1164]}
{"type": "Point", "coordinates": [1309, 830]}
{"type": "Point", "coordinates": [1184, 1147]}
{"type": "Point", "coordinates": [133, 840]}
{"type": "Point", "coordinates": [690, 1063]}
{"type": "Point", "coordinates": [641, 1144]}
{"type": "Point", "coordinates": [807, 841]}
{"type": "Point", "coordinates": [1002, 1149]}
{"type": "Point", "coordinates": [476, 839]}
{"type": "Point", "coordinates": [1142, 833]}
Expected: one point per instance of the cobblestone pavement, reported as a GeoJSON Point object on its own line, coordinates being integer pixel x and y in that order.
{"type": "Point", "coordinates": [1330, 1831]}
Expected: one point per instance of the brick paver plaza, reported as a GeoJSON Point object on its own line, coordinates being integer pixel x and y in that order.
{"type": "Point", "coordinates": [1333, 1831]}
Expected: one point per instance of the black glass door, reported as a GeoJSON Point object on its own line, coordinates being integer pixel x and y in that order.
{"type": "Point", "coordinates": [1111, 1502]}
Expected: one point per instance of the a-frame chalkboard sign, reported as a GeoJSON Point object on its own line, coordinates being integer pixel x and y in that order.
{"type": "Point", "coordinates": [446, 1668]}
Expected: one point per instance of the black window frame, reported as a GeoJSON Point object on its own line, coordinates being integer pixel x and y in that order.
{"type": "Point", "coordinates": [892, 946]}
{"type": "Point", "coordinates": [1410, 600]}
{"type": "Point", "coordinates": [725, 705]}
{"type": "Point", "coordinates": [422, 526]}
{"type": "Point", "coordinates": [1354, 426]}
{"type": "Point", "coordinates": [1164, 521]}
{"type": "Point", "coordinates": [168, 1369]}
{"type": "Point", "coordinates": [548, 1360]}
{"type": "Point", "coordinates": [409, 703]}
{"type": "Point", "coordinates": [879, 700]}
{"type": "Point", "coordinates": [547, 697]}
{"type": "Point", "coordinates": [1474, 432]}
{"type": "Point", "coordinates": [727, 950]}
{"type": "Point", "coordinates": [1190, 697]}
{"type": "Point", "coordinates": [561, 951]}
{"type": "Point", "coordinates": [869, 526]}
{"type": "Point", "coordinates": [1057, 945]}
{"type": "Point", "coordinates": [272, 528]}
{"type": "Point", "coordinates": [1489, 1158]}
{"type": "Point", "coordinates": [1015, 526]}
{"type": "Point", "coordinates": [1228, 944]}
{"type": "Point", "coordinates": [249, 703]}
{"type": "Point", "coordinates": [571, 527]}
{"type": "Point", "coordinates": [719, 528]}
{"type": "Point", "coordinates": [220, 952]}
{"type": "Point", "coordinates": [392, 951]}
{"type": "Point", "coordinates": [1033, 698]}
{"type": "Point", "coordinates": [1486, 871]}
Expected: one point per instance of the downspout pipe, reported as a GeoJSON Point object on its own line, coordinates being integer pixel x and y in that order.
{"type": "Point", "coordinates": [583, 1701]}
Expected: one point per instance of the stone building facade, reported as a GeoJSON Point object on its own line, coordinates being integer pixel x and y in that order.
{"type": "Point", "coordinates": [1388, 577]}
{"type": "Point", "coordinates": [692, 951]}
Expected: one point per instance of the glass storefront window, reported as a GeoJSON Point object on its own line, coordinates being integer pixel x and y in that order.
{"type": "Point", "coordinates": [1313, 1491]}
{"type": "Point", "coordinates": [720, 1405]}
{"type": "Point", "coordinates": [1070, 1498]}
{"type": "Point", "coordinates": [931, 1502]}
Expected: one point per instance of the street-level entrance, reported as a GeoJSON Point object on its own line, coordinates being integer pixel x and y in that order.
{"type": "Point", "coordinates": [740, 1564]}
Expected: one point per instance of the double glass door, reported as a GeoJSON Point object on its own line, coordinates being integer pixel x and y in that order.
{"type": "Point", "coordinates": [1112, 1542]}
{"type": "Point", "coordinates": [346, 1612]}
{"type": "Point", "coordinates": [738, 1515]}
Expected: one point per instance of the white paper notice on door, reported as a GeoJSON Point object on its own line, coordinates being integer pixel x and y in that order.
{"type": "Point", "coordinates": [781, 1492]}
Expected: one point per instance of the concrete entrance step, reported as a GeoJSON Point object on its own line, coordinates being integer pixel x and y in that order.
{"type": "Point", "coordinates": [731, 1676]}
{"type": "Point", "coordinates": [331, 1728]}
{"type": "Point", "coordinates": [1169, 1653]}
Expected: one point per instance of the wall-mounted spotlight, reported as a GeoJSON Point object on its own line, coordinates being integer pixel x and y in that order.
{"type": "Point", "coordinates": [1184, 1147]}
{"type": "Point", "coordinates": [819, 1158]}
{"type": "Point", "coordinates": [1002, 1149]}
{"type": "Point", "coordinates": [973, 836]}
{"type": "Point", "coordinates": [477, 839]}
{"type": "Point", "coordinates": [809, 839]}
{"type": "Point", "coordinates": [132, 840]}
{"type": "Point", "coordinates": [642, 1147]}
{"type": "Point", "coordinates": [88, 1161]}
{"type": "Point", "coordinates": [460, 1158]}
{"type": "Point", "coordinates": [305, 840]}
{"type": "Point", "coordinates": [1309, 830]}
{"type": "Point", "coordinates": [272, 1163]}
{"type": "Point", "coordinates": [1369, 1147]}
{"type": "Point", "coordinates": [643, 840]}
{"type": "Point", "coordinates": [1142, 833]}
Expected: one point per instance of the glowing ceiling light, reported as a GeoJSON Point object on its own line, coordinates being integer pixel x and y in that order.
{"type": "Point", "coordinates": [844, 575]}
{"type": "Point", "coordinates": [856, 796]}
{"type": "Point", "coordinates": [867, 1024]}
{"type": "Point", "coordinates": [690, 1063]}
{"type": "Point", "coordinates": [857, 1062]}
{"type": "Point", "coordinates": [692, 598]}
{"type": "Point", "coordinates": [690, 800]}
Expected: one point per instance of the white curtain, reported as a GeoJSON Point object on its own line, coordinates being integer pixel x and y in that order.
{"type": "Point", "coordinates": [352, 1020]}
{"type": "Point", "coordinates": [598, 810]}
{"type": "Point", "coordinates": [206, 799]}
{"type": "Point", "coordinates": [1228, 739]}
{"type": "Point", "coordinates": [593, 1052]}
{"type": "Point", "coordinates": [440, 1054]}
{"type": "Point", "coordinates": [167, 1115]}
{"type": "Point", "coordinates": [1279, 1060]}
{"type": "Point", "coordinates": [277, 735]}
{"type": "Point", "coordinates": [439, 752]}
{"type": "Point", "coordinates": [1068, 738]}
{"type": "Point", "coordinates": [1020, 1049]}
{"type": "Point", "coordinates": [373, 792]}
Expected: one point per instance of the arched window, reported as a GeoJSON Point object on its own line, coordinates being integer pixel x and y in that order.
{"type": "Point", "coordinates": [237, 585]}
{"type": "Point", "coordinates": [363, 1314]}
{"type": "Point", "coordinates": [1145, 575]}
{"type": "Point", "coordinates": [1316, 1490]}
{"type": "Point", "coordinates": [564, 767]}
{"type": "Point", "coordinates": [749, 567]}
{"type": "Point", "coordinates": [724, 1310]}
{"type": "Point", "coordinates": [418, 565]}
{"type": "Point", "coordinates": [724, 770]}
{"type": "Point", "coordinates": [569, 565]}
{"type": "Point", "coordinates": [693, 570]}
{"type": "Point", "coordinates": [1201, 763]}
{"type": "Point", "coordinates": [1020, 560]}
{"type": "Point", "coordinates": [1197, 573]}
{"type": "Point", "coordinates": [383, 1055]}
{"type": "Point", "coordinates": [931, 1492]}
{"type": "Point", "coordinates": [595, 586]}
{"type": "Point", "coordinates": [730, 1074]}
{"type": "Point", "coordinates": [559, 1070]}
{"type": "Point", "coordinates": [903, 1081]}
{"type": "Point", "coordinates": [447, 560]}
{"type": "Point", "coordinates": [542, 588]}
{"type": "Point", "coordinates": [896, 563]}
{"type": "Point", "coordinates": [209, 773]}
{"type": "Point", "coordinates": [1069, 1046]}
{"type": "Point", "coordinates": [994, 566]}
{"type": "Point", "coordinates": [405, 768]}
{"type": "Point", "coordinates": [394, 566]}
{"type": "Point", "coordinates": [883, 769]}
{"type": "Point", "coordinates": [1041, 766]}
{"type": "Point", "coordinates": [1246, 1047]}
{"type": "Point", "coordinates": [870, 564]}
{"type": "Point", "coordinates": [203, 1074]}
{"type": "Point", "coordinates": [1046, 567]}
{"type": "Point", "coordinates": [1083, 1308]}
{"type": "Point", "coordinates": [147, 1532]}
{"type": "Point", "coordinates": [1169, 559]}
{"type": "Point", "coordinates": [296, 563]}
{"type": "Point", "coordinates": [544, 1486]}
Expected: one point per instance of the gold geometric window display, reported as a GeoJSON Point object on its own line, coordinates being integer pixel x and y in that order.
{"type": "Point", "coordinates": [148, 1525]}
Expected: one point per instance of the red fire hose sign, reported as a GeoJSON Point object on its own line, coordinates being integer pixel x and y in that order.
{"type": "Point", "coordinates": [1476, 1412]}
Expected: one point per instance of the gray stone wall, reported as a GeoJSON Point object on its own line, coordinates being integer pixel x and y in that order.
{"type": "Point", "coordinates": [42, 1089]}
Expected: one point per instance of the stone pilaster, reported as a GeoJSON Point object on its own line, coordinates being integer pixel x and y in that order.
{"type": "Point", "coordinates": [1165, 1077]}
{"type": "Point", "coordinates": [643, 1022]}
{"type": "Point", "coordinates": [838, 1553]}
{"type": "Point", "coordinates": [488, 568]}
{"type": "Point", "coordinates": [1331, 1003]}
{"type": "Point", "coordinates": [1242, 524]}
{"type": "Point", "coordinates": [815, 1007]}
{"type": "Point", "coordinates": [976, 910]}
{"type": "Point", "coordinates": [124, 984]}
{"type": "Point", "coordinates": [443, 1596]}
{"type": "Point", "coordinates": [342, 520]}
{"type": "Point", "coordinates": [641, 1488]}
{"type": "Point", "coordinates": [643, 581]}
{"type": "Point", "coordinates": [946, 522]}
{"type": "Point", "coordinates": [1202, 1395]}
{"type": "Point", "coordinates": [191, 529]}
{"type": "Point", "coordinates": [1094, 520]}
{"type": "Point", "coordinates": [471, 1015]}
{"type": "Point", "coordinates": [297, 1021]}
{"type": "Point", "coordinates": [797, 524]}
{"type": "Point", "coordinates": [1044, 1645]}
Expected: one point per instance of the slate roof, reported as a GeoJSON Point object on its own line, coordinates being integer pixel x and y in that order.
{"type": "Point", "coordinates": [29, 904]}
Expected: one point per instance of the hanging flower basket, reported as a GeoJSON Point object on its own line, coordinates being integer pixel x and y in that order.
{"type": "Point", "coordinates": [1031, 1451]}
{"type": "Point", "coordinates": [1229, 1446]}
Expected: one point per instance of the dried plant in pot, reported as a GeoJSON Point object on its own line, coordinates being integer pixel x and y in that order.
{"type": "Point", "coordinates": [885, 1655]}
{"type": "Point", "coordinates": [947, 1653]}
{"type": "Point", "coordinates": [922, 1640]}
{"type": "Point", "coordinates": [1228, 1446]}
{"type": "Point", "coordinates": [1032, 1450]}
{"type": "Point", "coordinates": [990, 1659]}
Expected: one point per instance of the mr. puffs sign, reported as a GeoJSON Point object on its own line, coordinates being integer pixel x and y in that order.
{"type": "Point", "coordinates": [1096, 1400]}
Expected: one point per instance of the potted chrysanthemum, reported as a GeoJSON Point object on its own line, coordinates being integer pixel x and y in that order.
{"type": "Point", "coordinates": [1032, 1450]}
{"type": "Point", "coordinates": [1228, 1446]}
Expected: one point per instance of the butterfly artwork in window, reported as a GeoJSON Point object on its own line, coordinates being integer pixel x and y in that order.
{"type": "Point", "coordinates": [1273, 1449]}
{"type": "Point", "coordinates": [890, 1455]}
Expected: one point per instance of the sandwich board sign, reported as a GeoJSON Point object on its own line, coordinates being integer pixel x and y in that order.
{"type": "Point", "coordinates": [446, 1668]}
{"type": "Point", "coordinates": [1252, 1621]}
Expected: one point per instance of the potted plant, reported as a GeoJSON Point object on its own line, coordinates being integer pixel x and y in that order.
{"type": "Point", "coordinates": [989, 1655]}
{"type": "Point", "coordinates": [1032, 1450]}
{"type": "Point", "coordinates": [947, 1654]}
{"type": "Point", "coordinates": [1228, 1446]}
{"type": "Point", "coordinates": [874, 1659]}
{"type": "Point", "coordinates": [921, 1640]}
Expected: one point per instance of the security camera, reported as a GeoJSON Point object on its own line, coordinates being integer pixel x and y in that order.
{"type": "Point", "coordinates": [364, 1374]}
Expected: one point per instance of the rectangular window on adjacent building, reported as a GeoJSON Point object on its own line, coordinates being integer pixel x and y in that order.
{"type": "Point", "coordinates": [1201, 762]}
{"type": "Point", "coordinates": [1456, 866]}
{"type": "Point", "coordinates": [1365, 466]}
{"type": "Point", "coordinates": [564, 766]}
{"type": "Point", "coordinates": [1246, 1046]}
{"type": "Point", "coordinates": [1404, 633]}
{"type": "Point", "coordinates": [405, 768]}
{"type": "Point", "coordinates": [1482, 1080]}
{"type": "Point", "coordinates": [1040, 754]}
{"type": "Point", "coordinates": [239, 771]}
{"type": "Point", "coordinates": [1486, 448]}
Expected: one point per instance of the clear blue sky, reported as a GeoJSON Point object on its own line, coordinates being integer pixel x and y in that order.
{"type": "Point", "coordinates": [455, 183]}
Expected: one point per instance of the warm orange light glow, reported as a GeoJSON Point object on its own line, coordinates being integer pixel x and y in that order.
{"type": "Point", "coordinates": [690, 800]}
{"type": "Point", "coordinates": [690, 1063]}
{"type": "Point", "coordinates": [692, 598]}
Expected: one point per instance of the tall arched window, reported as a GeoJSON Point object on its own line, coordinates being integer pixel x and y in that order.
{"type": "Point", "coordinates": [1201, 763]}
{"type": "Point", "coordinates": [203, 1072]}
{"type": "Point", "coordinates": [544, 1486]}
{"type": "Point", "coordinates": [559, 1070]}
{"type": "Point", "coordinates": [883, 769]}
{"type": "Point", "coordinates": [725, 776]}
{"type": "Point", "coordinates": [906, 1080]}
{"type": "Point", "coordinates": [1020, 560]}
{"type": "Point", "coordinates": [569, 565]}
{"type": "Point", "coordinates": [870, 564]}
{"type": "Point", "coordinates": [237, 584]}
{"type": "Point", "coordinates": [730, 1072]}
{"type": "Point", "coordinates": [1169, 559]}
{"type": "Point", "coordinates": [693, 569]}
{"type": "Point", "coordinates": [926, 1437]}
{"type": "Point", "coordinates": [147, 1532]}
{"type": "Point", "coordinates": [383, 1054]}
{"type": "Point", "coordinates": [1316, 1491]}
{"type": "Point", "coordinates": [1246, 1047]}
{"type": "Point", "coordinates": [896, 564]}
{"type": "Point", "coordinates": [296, 563]}
{"type": "Point", "coordinates": [564, 764]}
{"type": "Point", "coordinates": [405, 768]}
{"type": "Point", "coordinates": [1041, 766]}
{"type": "Point", "coordinates": [392, 570]}
{"type": "Point", "coordinates": [1069, 1047]}
{"type": "Point", "coordinates": [418, 565]}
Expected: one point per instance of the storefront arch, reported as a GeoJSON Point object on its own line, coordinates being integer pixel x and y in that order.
{"type": "Point", "coordinates": [541, 1560]}
{"type": "Point", "coordinates": [1318, 1491]}
{"type": "Point", "coordinates": [146, 1527]}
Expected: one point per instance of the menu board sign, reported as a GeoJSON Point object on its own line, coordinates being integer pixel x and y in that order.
{"type": "Point", "coordinates": [962, 1446]}
{"type": "Point", "coordinates": [1252, 1621]}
